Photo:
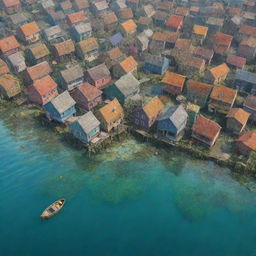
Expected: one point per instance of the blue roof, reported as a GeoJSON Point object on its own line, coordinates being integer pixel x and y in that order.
{"type": "Point", "coordinates": [245, 76]}
{"type": "Point", "coordinates": [116, 39]}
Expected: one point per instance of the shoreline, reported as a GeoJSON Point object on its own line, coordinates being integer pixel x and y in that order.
{"type": "Point", "coordinates": [35, 114]}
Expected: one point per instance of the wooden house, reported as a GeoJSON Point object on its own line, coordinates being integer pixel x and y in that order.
{"type": "Point", "coordinates": [99, 8]}
{"type": "Point", "coordinates": [42, 90]}
{"type": "Point", "coordinates": [198, 92]}
{"type": "Point", "coordinates": [81, 5]}
{"type": "Point", "coordinates": [17, 19]}
{"type": "Point", "coordinates": [9, 45]}
{"type": "Point", "coordinates": [125, 14]}
{"type": "Point", "coordinates": [204, 53]}
{"type": "Point", "coordinates": [17, 62]}
{"type": "Point", "coordinates": [174, 23]}
{"type": "Point", "coordinates": [61, 108]}
{"type": "Point", "coordinates": [172, 122]}
{"type": "Point", "coordinates": [88, 49]}
{"type": "Point", "coordinates": [128, 65]}
{"type": "Point", "coordinates": [173, 83]}
{"type": "Point", "coordinates": [35, 72]}
{"type": "Point", "coordinates": [9, 86]}
{"type": "Point", "coordinates": [11, 6]}
{"type": "Point", "coordinates": [250, 106]}
{"type": "Point", "coordinates": [71, 77]}
{"type": "Point", "coordinates": [236, 62]}
{"type": "Point", "coordinates": [205, 130]}
{"type": "Point", "coordinates": [66, 6]}
{"type": "Point", "coordinates": [29, 33]}
{"type": "Point", "coordinates": [123, 89]}
{"type": "Point", "coordinates": [53, 34]}
{"type": "Point", "coordinates": [222, 98]}
{"type": "Point", "coordinates": [38, 54]}
{"type": "Point", "coordinates": [160, 18]}
{"type": "Point", "coordinates": [247, 48]}
{"type": "Point", "coordinates": [64, 51]}
{"type": "Point", "coordinates": [81, 31]}
{"type": "Point", "coordinates": [246, 31]}
{"type": "Point", "coordinates": [113, 57]}
{"type": "Point", "coordinates": [246, 143]}
{"type": "Point", "coordinates": [110, 116]}
{"type": "Point", "coordinates": [146, 116]}
{"type": "Point", "coordinates": [199, 34]}
{"type": "Point", "coordinates": [87, 96]}
{"type": "Point", "coordinates": [99, 76]}
{"type": "Point", "coordinates": [110, 21]}
{"type": "Point", "coordinates": [128, 27]}
{"type": "Point", "coordinates": [3, 68]}
{"type": "Point", "coordinates": [85, 127]}
{"type": "Point", "coordinates": [245, 81]}
{"type": "Point", "coordinates": [56, 17]}
{"type": "Point", "coordinates": [156, 64]}
{"type": "Point", "coordinates": [222, 43]}
{"type": "Point", "coordinates": [217, 74]}
{"type": "Point", "coordinates": [75, 18]}
{"type": "Point", "coordinates": [144, 23]}
{"type": "Point", "coordinates": [236, 120]}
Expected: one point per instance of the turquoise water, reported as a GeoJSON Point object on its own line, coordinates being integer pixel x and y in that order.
{"type": "Point", "coordinates": [125, 201]}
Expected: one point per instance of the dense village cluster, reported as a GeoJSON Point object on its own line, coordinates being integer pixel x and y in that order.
{"type": "Point", "coordinates": [86, 63]}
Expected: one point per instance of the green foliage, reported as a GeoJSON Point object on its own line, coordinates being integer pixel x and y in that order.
{"type": "Point", "coordinates": [251, 164]}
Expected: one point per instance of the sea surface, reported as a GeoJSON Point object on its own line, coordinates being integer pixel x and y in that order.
{"type": "Point", "coordinates": [124, 202]}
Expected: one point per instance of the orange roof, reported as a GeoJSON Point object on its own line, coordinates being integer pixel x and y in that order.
{"type": "Point", "coordinates": [3, 68]}
{"type": "Point", "coordinates": [223, 94]}
{"type": "Point", "coordinates": [76, 17]}
{"type": "Point", "coordinates": [88, 45]}
{"type": "Point", "coordinates": [239, 114]}
{"type": "Point", "coordinates": [153, 107]}
{"type": "Point", "coordinates": [206, 127]}
{"type": "Point", "coordinates": [248, 139]}
{"type": "Point", "coordinates": [44, 85]}
{"type": "Point", "coordinates": [174, 21]}
{"type": "Point", "coordinates": [8, 43]}
{"type": "Point", "coordinates": [65, 47]}
{"type": "Point", "coordinates": [200, 30]}
{"type": "Point", "coordinates": [129, 26]}
{"type": "Point", "coordinates": [112, 111]}
{"type": "Point", "coordinates": [174, 79]}
{"type": "Point", "coordinates": [29, 29]}
{"type": "Point", "coordinates": [220, 70]}
{"type": "Point", "coordinates": [40, 51]}
{"type": "Point", "coordinates": [128, 64]}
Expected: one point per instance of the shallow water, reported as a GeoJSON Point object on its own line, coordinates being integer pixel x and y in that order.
{"type": "Point", "coordinates": [125, 201]}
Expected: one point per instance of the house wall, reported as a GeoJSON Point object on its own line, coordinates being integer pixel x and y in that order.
{"type": "Point", "coordinates": [234, 126]}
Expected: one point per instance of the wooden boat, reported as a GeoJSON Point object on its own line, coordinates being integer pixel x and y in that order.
{"type": "Point", "coordinates": [53, 209]}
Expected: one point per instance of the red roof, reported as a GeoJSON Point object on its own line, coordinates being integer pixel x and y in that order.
{"type": "Point", "coordinates": [248, 139]}
{"type": "Point", "coordinates": [206, 127]}
{"type": "Point", "coordinates": [89, 91]}
{"type": "Point", "coordinates": [8, 43]}
{"type": "Point", "coordinates": [10, 3]}
{"type": "Point", "coordinates": [222, 39]}
{"type": "Point", "coordinates": [247, 30]}
{"type": "Point", "coordinates": [236, 61]}
{"type": "Point", "coordinates": [44, 85]}
{"type": "Point", "coordinates": [29, 29]}
{"type": "Point", "coordinates": [76, 17]}
{"type": "Point", "coordinates": [175, 21]}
